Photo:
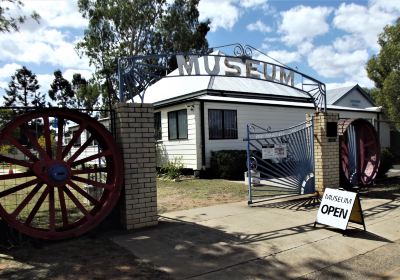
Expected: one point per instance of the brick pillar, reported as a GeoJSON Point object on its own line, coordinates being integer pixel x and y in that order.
{"type": "Point", "coordinates": [135, 135]}
{"type": "Point", "coordinates": [326, 151]}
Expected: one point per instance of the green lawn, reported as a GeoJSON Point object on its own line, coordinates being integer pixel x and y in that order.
{"type": "Point", "coordinates": [193, 193]}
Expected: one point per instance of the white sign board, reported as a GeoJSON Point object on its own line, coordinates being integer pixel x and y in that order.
{"type": "Point", "coordinates": [274, 151]}
{"type": "Point", "coordinates": [336, 207]}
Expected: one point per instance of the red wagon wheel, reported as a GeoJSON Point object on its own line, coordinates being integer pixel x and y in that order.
{"type": "Point", "coordinates": [359, 151]}
{"type": "Point", "coordinates": [57, 186]}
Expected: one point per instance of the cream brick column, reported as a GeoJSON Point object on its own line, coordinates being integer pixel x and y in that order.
{"type": "Point", "coordinates": [326, 152]}
{"type": "Point", "coordinates": [135, 136]}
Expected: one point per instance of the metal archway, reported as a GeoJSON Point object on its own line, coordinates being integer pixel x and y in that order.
{"type": "Point", "coordinates": [359, 152]}
{"type": "Point", "coordinates": [57, 189]}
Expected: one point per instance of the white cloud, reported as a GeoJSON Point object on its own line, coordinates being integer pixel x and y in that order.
{"type": "Point", "coordinates": [68, 73]}
{"type": "Point", "coordinates": [364, 23]}
{"type": "Point", "coordinates": [305, 47]}
{"type": "Point", "coordinates": [8, 70]}
{"type": "Point", "coordinates": [268, 42]}
{"type": "Point", "coordinates": [258, 26]}
{"type": "Point", "coordinates": [57, 13]}
{"type": "Point", "coordinates": [43, 46]}
{"type": "Point", "coordinates": [303, 23]}
{"type": "Point", "coordinates": [285, 56]}
{"type": "Point", "coordinates": [391, 6]}
{"type": "Point", "coordinates": [330, 63]}
{"type": "Point", "coordinates": [254, 3]}
{"type": "Point", "coordinates": [223, 14]}
{"type": "Point", "coordinates": [347, 43]}
{"type": "Point", "coordinates": [45, 81]}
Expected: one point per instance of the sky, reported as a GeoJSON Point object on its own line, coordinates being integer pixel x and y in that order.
{"type": "Point", "coordinates": [329, 40]}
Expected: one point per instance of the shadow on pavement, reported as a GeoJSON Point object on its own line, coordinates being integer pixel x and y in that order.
{"type": "Point", "coordinates": [298, 204]}
{"type": "Point", "coordinates": [83, 258]}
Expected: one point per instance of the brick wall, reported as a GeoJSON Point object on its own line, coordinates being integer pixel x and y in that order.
{"type": "Point", "coordinates": [326, 153]}
{"type": "Point", "coordinates": [135, 136]}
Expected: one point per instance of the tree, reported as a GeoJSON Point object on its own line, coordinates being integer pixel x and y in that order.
{"type": "Point", "coordinates": [87, 92]}
{"type": "Point", "coordinates": [384, 70]}
{"type": "Point", "coordinates": [23, 90]}
{"type": "Point", "coordinates": [126, 28]}
{"type": "Point", "coordinates": [61, 91]}
{"type": "Point", "coordinates": [8, 21]}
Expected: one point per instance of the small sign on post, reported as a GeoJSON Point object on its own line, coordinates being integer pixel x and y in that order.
{"type": "Point", "coordinates": [274, 151]}
{"type": "Point", "coordinates": [338, 208]}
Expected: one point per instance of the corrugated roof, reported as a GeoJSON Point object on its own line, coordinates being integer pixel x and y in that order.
{"type": "Point", "coordinates": [333, 95]}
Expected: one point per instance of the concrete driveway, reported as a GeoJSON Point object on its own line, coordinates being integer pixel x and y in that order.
{"type": "Point", "coordinates": [271, 241]}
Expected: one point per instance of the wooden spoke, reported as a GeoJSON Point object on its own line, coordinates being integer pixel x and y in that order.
{"type": "Point", "coordinates": [83, 193]}
{"type": "Point", "coordinates": [76, 135]}
{"type": "Point", "coordinates": [93, 183]}
{"type": "Point", "coordinates": [16, 161]}
{"type": "Point", "coordinates": [89, 170]}
{"type": "Point", "coordinates": [39, 203]}
{"type": "Point", "coordinates": [64, 213]}
{"type": "Point", "coordinates": [47, 135]}
{"type": "Point", "coordinates": [78, 204]}
{"type": "Point", "coordinates": [18, 188]}
{"type": "Point", "coordinates": [52, 210]}
{"type": "Point", "coordinates": [23, 149]}
{"type": "Point", "coordinates": [34, 141]}
{"type": "Point", "coordinates": [90, 158]}
{"type": "Point", "coordinates": [60, 136]}
{"type": "Point", "coordinates": [26, 200]}
{"type": "Point", "coordinates": [81, 149]}
{"type": "Point", "coordinates": [16, 175]}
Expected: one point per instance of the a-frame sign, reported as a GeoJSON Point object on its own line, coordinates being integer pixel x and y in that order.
{"type": "Point", "coordinates": [338, 208]}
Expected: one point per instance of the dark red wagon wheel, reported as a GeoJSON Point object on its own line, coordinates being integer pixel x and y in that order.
{"type": "Point", "coordinates": [359, 151]}
{"type": "Point", "coordinates": [58, 187]}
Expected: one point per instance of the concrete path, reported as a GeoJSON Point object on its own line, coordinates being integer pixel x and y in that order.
{"type": "Point", "coordinates": [271, 241]}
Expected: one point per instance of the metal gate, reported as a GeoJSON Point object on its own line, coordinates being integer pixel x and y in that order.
{"type": "Point", "coordinates": [281, 162]}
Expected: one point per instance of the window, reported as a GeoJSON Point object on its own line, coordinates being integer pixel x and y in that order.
{"type": "Point", "coordinates": [78, 140]}
{"type": "Point", "coordinates": [177, 125]}
{"type": "Point", "coordinates": [157, 126]}
{"type": "Point", "coordinates": [222, 124]}
{"type": "Point", "coordinates": [355, 103]}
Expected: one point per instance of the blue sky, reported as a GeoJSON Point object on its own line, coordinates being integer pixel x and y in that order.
{"type": "Point", "coordinates": [330, 40]}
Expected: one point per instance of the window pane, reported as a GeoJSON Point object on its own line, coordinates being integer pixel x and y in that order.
{"type": "Point", "coordinates": [157, 125]}
{"type": "Point", "coordinates": [230, 129]}
{"type": "Point", "coordinates": [172, 129]}
{"type": "Point", "coordinates": [215, 124]}
{"type": "Point", "coordinates": [182, 124]}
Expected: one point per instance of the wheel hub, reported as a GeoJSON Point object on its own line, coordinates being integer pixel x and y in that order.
{"type": "Point", "coordinates": [54, 173]}
{"type": "Point", "coordinates": [58, 172]}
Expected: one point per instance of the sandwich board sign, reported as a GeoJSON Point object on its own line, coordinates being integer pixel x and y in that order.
{"type": "Point", "coordinates": [338, 208]}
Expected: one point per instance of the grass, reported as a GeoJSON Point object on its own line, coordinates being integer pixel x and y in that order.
{"type": "Point", "coordinates": [190, 193]}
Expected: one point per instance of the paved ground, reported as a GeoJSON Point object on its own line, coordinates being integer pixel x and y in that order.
{"type": "Point", "coordinates": [271, 241]}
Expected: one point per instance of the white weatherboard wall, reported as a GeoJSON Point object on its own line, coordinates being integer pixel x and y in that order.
{"type": "Point", "coordinates": [185, 151]}
{"type": "Point", "coordinates": [264, 116]}
{"type": "Point", "coordinates": [276, 117]}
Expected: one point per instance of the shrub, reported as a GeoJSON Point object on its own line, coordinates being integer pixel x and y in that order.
{"type": "Point", "coordinates": [228, 164]}
{"type": "Point", "coordinates": [172, 169]}
{"type": "Point", "coordinates": [387, 159]}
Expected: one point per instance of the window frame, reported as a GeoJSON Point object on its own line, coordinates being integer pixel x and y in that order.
{"type": "Point", "coordinates": [224, 137]}
{"type": "Point", "coordinates": [157, 126]}
{"type": "Point", "coordinates": [176, 113]}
